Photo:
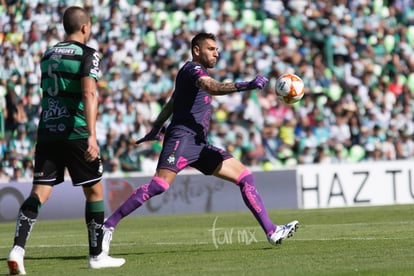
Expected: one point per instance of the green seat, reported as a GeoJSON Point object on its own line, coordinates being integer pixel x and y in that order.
{"type": "Point", "coordinates": [150, 39]}
{"type": "Point", "coordinates": [410, 34]}
{"type": "Point", "coordinates": [334, 92]}
{"type": "Point", "coordinates": [377, 69]}
{"type": "Point", "coordinates": [378, 5]}
{"type": "Point", "coordinates": [410, 82]}
{"type": "Point", "coordinates": [389, 43]}
{"type": "Point", "coordinates": [175, 19]}
{"type": "Point", "coordinates": [356, 153]}
{"type": "Point", "coordinates": [291, 162]}
{"type": "Point", "coordinates": [269, 26]}
{"type": "Point", "coordinates": [230, 9]}
{"type": "Point", "coordinates": [249, 17]}
{"type": "Point", "coordinates": [158, 17]}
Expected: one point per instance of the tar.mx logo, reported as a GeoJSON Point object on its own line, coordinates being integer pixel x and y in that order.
{"type": "Point", "coordinates": [222, 236]}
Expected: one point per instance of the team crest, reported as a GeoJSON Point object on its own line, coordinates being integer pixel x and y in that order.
{"type": "Point", "coordinates": [171, 159]}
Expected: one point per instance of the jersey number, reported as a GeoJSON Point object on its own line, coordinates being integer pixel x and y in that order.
{"type": "Point", "coordinates": [53, 89]}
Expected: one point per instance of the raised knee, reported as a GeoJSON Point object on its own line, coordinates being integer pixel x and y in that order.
{"type": "Point", "coordinates": [245, 172]}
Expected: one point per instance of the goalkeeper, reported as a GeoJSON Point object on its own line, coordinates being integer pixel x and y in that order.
{"type": "Point", "coordinates": [185, 142]}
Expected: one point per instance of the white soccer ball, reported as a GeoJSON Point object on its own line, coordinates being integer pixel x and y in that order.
{"type": "Point", "coordinates": [289, 88]}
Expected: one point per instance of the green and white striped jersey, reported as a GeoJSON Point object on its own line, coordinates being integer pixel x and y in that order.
{"type": "Point", "coordinates": [63, 66]}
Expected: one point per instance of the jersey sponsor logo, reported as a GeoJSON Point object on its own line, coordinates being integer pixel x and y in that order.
{"type": "Point", "coordinates": [250, 192]}
{"type": "Point", "coordinates": [182, 162]}
{"type": "Point", "coordinates": [54, 111]}
{"type": "Point", "coordinates": [61, 127]}
{"type": "Point", "coordinates": [51, 127]}
{"type": "Point", "coordinates": [95, 66]}
{"type": "Point", "coordinates": [56, 56]}
{"type": "Point", "coordinates": [38, 174]}
{"type": "Point", "coordinates": [96, 73]}
{"type": "Point", "coordinates": [64, 51]}
{"type": "Point", "coordinates": [199, 72]}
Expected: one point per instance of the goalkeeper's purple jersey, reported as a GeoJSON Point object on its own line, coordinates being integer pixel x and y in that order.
{"type": "Point", "coordinates": [192, 106]}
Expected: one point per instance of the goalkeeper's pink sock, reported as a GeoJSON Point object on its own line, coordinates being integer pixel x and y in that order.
{"type": "Point", "coordinates": [156, 186]}
{"type": "Point", "coordinates": [254, 201]}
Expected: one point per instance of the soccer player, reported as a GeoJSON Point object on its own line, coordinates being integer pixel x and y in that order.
{"type": "Point", "coordinates": [67, 138]}
{"type": "Point", "coordinates": [185, 142]}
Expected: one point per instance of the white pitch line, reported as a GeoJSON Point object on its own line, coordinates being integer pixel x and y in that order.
{"type": "Point", "coordinates": [206, 243]}
{"type": "Point", "coordinates": [360, 223]}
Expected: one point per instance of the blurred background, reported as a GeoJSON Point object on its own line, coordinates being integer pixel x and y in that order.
{"type": "Point", "coordinates": [355, 57]}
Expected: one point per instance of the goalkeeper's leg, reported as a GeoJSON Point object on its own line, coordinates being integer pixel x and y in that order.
{"type": "Point", "coordinates": [156, 186]}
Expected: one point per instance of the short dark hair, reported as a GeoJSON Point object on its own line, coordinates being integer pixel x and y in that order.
{"type": "Point", "coordinates": [200, 37]}
{"type": "Point", "coordinates": [73, 18]}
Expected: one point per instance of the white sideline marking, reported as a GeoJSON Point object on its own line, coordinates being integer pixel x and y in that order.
{"type": "Point", "coordinates": [205, 243]}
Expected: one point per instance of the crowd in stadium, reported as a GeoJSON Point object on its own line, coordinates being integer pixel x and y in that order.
{"type": "Point", "coordinates": [355, 57]}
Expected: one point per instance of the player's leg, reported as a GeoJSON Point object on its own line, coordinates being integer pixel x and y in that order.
{"type": "Point", "coordinates": [94, 218]}
{"type": "Point", "coordinates": [47, 172]}
{"type": "Point", "coordinates": [174, 151]}
{"type": "Point", "coordinates": [89, 175]}
{"type": "Point", "coordinates": [157, 185]}
{"type": "Point", "coordinates": [29, 211]}
{"type": "Point", "coordinates": [173, 158]}
{"type": "Point", "coordinates": [25, 221]}
{"type": "Point", "coordinates": [223, 165]}
{"type": "Point", "coordinates": [233, 170]}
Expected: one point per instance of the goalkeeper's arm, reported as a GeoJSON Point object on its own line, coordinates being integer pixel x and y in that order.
{"type": "Point", "coordinates": [164, 114]}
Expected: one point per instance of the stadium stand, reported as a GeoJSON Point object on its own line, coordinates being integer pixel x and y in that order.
{"type": "Point", "coordinates": [355, 57]}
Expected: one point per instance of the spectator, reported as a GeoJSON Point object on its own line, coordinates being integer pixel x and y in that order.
{"type": "Point", "coordinates": [339, 154]}
{"type": "Point", "coordinates": [11, 163]}
{"type": "Point", "coordinates": [4, 177]}
{"type": "Point", "coordinates": [114, 168]}
{"type": "Point", "coordinates": [307, 140]}
{"type": "Point", "coordinates": [119, 127]}
{"type": "Point", "coordinates": [108, 150]}
{"type": "Point", "coordinates": [404, 145]}
{"type": "Point", "coordinates": [130, 157]}
{"type": "Point", "coordinates": [149, 164]}
{"type": "Point", "coordinates": [136, 84]}
{"type": "Point", "coordinates": [27, 168]}
{"type": "Point", "coordinates": [388, 147]}
{"type": "Point", "coordinates": [306, 156]}
{"type": "Point", "coordinates": [344, 53]}
{"type": "Point", "coordinates": [322, 155]}
{"type": "Point", "coordinates": [20, 145]}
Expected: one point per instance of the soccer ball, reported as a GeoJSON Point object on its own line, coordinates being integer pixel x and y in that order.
{"type": "Point", "coordinates": [289, 88]}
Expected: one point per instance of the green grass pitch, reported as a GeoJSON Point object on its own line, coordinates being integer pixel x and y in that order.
{"type": "Point", "coordinates": [343, 241]}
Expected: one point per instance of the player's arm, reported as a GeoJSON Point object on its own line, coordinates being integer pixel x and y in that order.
{"type": "Point", "coordinates": [155, 132]}
{"type": "Point", "coordinates": [214, 87]}
{"type": "Point", "coordinates": [90, 103]}
{"type": "Point", "coordinates": [165, 113]}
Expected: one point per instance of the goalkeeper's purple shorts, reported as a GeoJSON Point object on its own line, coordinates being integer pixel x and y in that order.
{"type": "Point", "coordinates": [182, 148]}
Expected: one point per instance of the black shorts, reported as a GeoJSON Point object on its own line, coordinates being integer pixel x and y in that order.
{"type": "Point", "coordinates": [182, 148]}
{"type": "Point", "coordinates": [51, 159]}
